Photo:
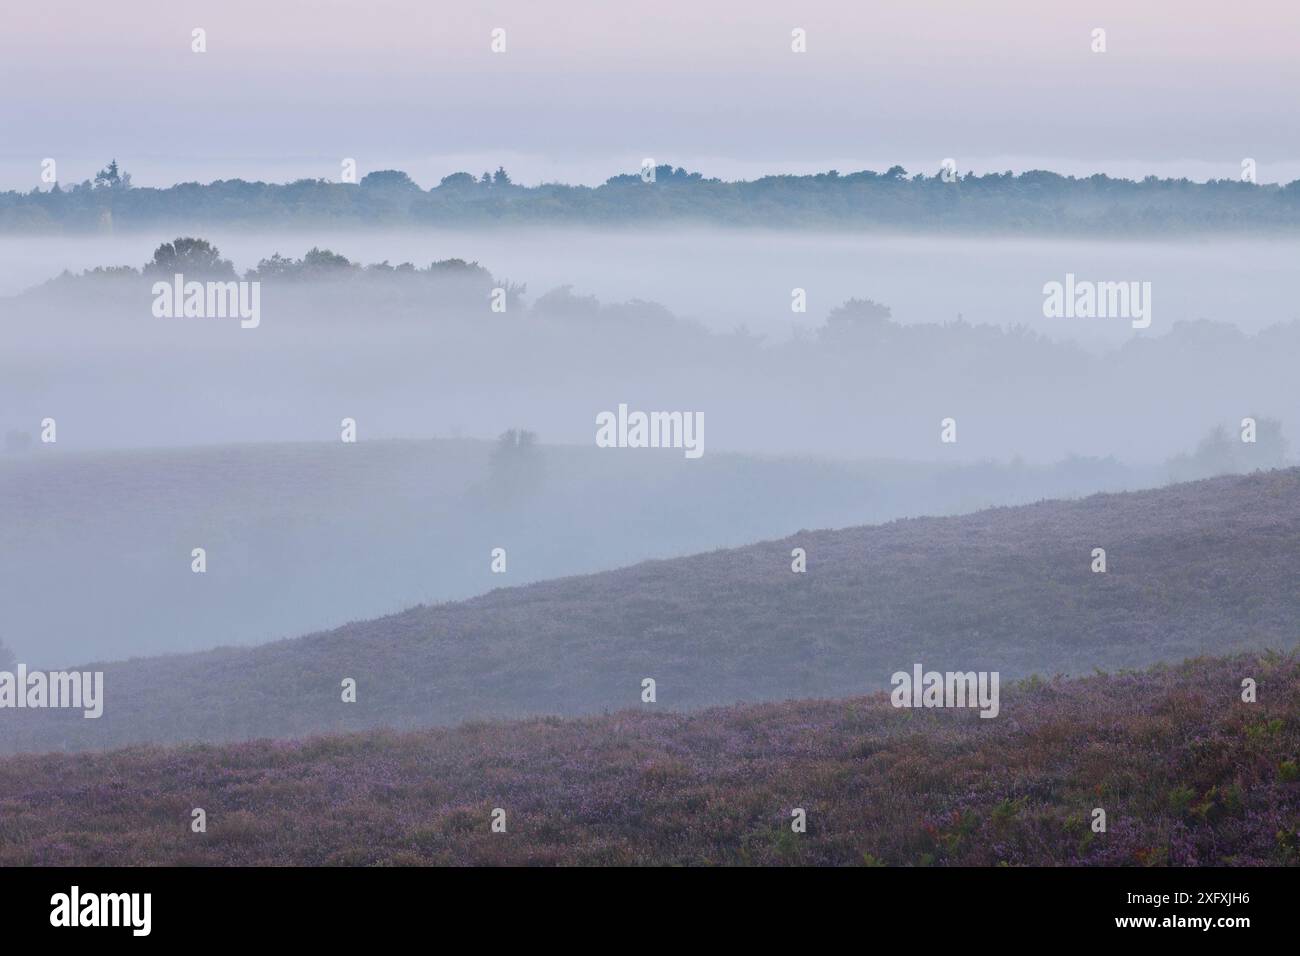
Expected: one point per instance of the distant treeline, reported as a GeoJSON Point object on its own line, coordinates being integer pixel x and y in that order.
{"type": "Point", "coordinates": [1033, 202]}
{"type": "Point", "coordinates": [456, 280]}
{"type": "Point", "coordinates": [201, 259]}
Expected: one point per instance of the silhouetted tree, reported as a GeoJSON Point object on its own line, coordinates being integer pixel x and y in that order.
{"type": "Point", "coordinates": [516, 464]}
{"type": "Point", "coordinates": [859, 313]}
{"type": "Point", "coordinates": [457, 180]}
{"type": "Point", "coordinates": [110, 177]}
{"type": "Point", "coordinates": [389, 179]}
{"type": "Point", "coordinates": [1222, 452]}
{"type": "Point", "coordinates": [324, 261]}
{"type": "Point", "coordinates": [191, 257]}
{"type": "Point", "coordinates": [857, 320]}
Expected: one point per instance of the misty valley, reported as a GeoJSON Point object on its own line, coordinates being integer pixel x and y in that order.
{"type": "Point", "coordinates": [370, 520]}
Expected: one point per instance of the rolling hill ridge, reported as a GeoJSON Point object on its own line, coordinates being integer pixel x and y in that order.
{"type": "Point", "coordinates": [1204, 567]}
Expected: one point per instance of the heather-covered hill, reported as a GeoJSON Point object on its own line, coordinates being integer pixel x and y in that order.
{"type": "Point", "coordinates": [302, 537]}
{"type": "Point", "coordinates": [1186, 772]}
{"type": "Point", "coordinates": [1209, 566]}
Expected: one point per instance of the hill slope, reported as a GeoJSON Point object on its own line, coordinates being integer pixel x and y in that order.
{"type": "Point", "coordinates": [306, 537]}
{"type": "Point", "coordinates": [1186, 773]}
{"type": "Point", "coordinates": [1209, 566]}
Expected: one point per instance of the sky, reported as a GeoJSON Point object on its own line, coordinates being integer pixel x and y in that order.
{"type": "Point", "coordinates": [587, 89]}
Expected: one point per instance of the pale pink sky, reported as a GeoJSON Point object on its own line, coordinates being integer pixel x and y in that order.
{"type": "Point", "coordinates": [591, 87]}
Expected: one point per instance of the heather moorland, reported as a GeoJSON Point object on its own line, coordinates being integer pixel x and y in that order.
{"type": "Point", "coordinates": [1186, 772]}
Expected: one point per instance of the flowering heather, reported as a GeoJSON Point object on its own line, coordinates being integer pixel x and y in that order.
{"type": "Point", "coordinates": [1187, 772]}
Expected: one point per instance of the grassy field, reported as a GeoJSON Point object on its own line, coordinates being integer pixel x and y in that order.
{"type": "Point", "coordinates": [1186, 772]}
